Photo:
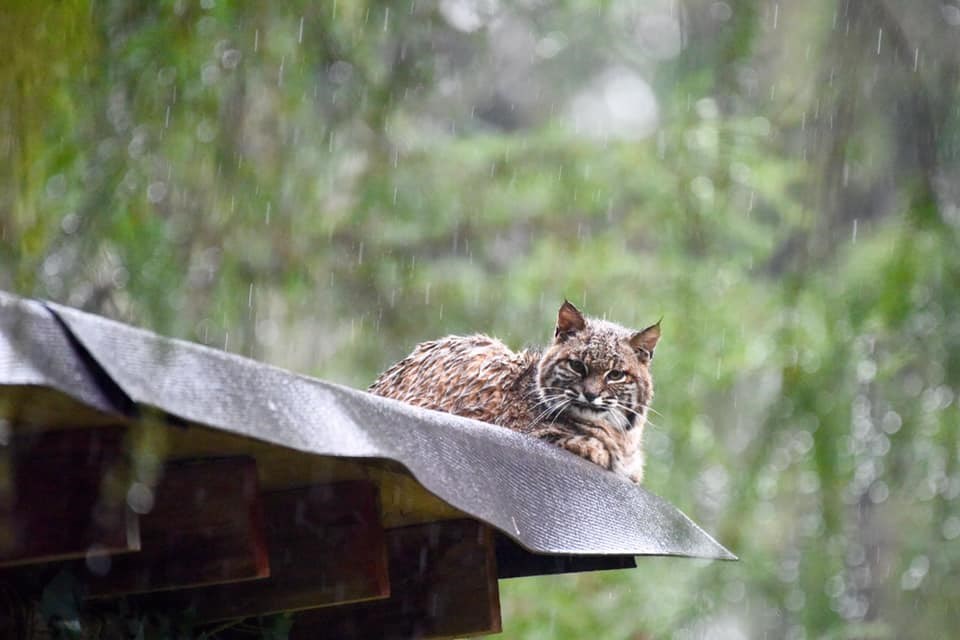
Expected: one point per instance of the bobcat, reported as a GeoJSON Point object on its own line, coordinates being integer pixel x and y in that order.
{"type": "Point", "coordinates": [587, 392]}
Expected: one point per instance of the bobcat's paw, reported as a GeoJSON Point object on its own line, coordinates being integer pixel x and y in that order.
{"type": "Point", "coordinates": [589, 448]}
{"type": "Point", "coordinates": [631, 468]}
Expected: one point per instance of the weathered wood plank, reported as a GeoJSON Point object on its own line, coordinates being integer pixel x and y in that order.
{"type": "Point", "coordinates": [205, 527]}
{"type": "Point", "coordinates": [443, 583]}
{"type": "Point", "coordinates": [56, 501]}
{"type": "Point", "coordinates": [326, 547]}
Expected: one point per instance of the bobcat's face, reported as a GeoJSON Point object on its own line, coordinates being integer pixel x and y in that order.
{"type": "Point", "coordinates": [597, 370]}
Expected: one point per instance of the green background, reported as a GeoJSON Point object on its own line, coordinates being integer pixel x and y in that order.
{"type": "Point", "coordinates": [321, 185]}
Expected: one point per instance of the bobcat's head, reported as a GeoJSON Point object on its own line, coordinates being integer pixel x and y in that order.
{"type": "Point", "coordinates": [597, 370]}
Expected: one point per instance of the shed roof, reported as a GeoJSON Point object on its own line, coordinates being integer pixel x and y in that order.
{"type": "Point", "coordinates": [546, 500]}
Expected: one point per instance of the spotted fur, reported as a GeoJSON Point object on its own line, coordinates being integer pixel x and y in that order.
{"type": "Point", "coordinates": [587, 392]}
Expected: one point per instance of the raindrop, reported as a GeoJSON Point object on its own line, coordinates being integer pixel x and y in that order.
{"type": "Point", "coordinates": [137, 143]}
{"type": "Point", "coordinates": [300, 32]}
{"type": "Point", "coordinates": [551, 44]}
{"type": "Point", "coordinates": [156, 192]}
{"type": "Point", "coordinates": [120, 277]}
{"type": "Point", "coordinates": [795, 600]}
{"type": "Point", "coordinates": [735, 591]}
{"type": "Point", "coordinates": [934, 400]}
{"type": "Point", "coordinates": [834, 587]}
{"type": "Point", "coordinates": [256, 40]}
{"type": "Point", "coordinates": [796, 632]}
{"type": "Point", "coordinates": [915, 574]}
{"type": "Point", "coordinates": [52, 266]}
{"type": "Point", "coordinates": [951, 14]}
{"type": "Point", "coordinates": [740, 172]}
{"type": "Point", "coordinates": [802, 442]}
{"type": "Point", "coordinates": [56, 186]}
{"type": "Point", "coordinates": [340, 71]}
{"type": "Point", "coordinates": [206, 131]}
{"type": "Point", "coordinates": [140, 498]}
{"type": "Point", "coordinates": [707, 108]}
{"type": "Point", "coordinates": [951, 528]}
{"type": "Point", "coordinates": [659, 35]}
{"type": "Point", "coordinates": [465, 15]}
{"type": "Point", "coordinates": [891, 422]}
{"type": "Point", "coordinates": [230, 58]}
{"type": "Point", "coordinates": [721, 11]}
{"type": "Point", "coordinates": [879, 492]}
{"type": "Point", "coordinates": [70, 223]}
{"type": "Point", "coordinates": [702, 188]}
{"type": "Point", "coordinates": [98, 560]}
{"type": "Point", "coordinates": [880, 446]}
{"type": "Point", "coordinates": [866, 371]}
{"type": "Point", "coordinates": [167, 75]}
{"type": "Point", "coordinates": [760, 126]}
{"type": "Point", "coordinates": [206, 26]}
{"type": "Point", "coordinates": [808, 482]}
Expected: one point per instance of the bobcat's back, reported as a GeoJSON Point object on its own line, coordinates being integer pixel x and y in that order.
{"type": "Point", "coordinates": [474, 376]}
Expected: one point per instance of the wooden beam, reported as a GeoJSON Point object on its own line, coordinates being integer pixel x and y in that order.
{"type": "Point", "coordinates": [326, 547]}
{"type": "Point", "coordinates": [205, 527]}
{"type": "Point", "coordinates": [55, 497]}
{"type": "Point", "coordinates": [443, 583]}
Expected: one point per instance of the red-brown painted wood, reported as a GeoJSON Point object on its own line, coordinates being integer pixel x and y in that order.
{"type": "Point", "coordinates": [60, 499]}
{"type": "Point", "coordinates": [326, 547]}
{"type": "Point", "coordinates": [443, 582]}
{"type": "Point", "coordinates": [205, 527]}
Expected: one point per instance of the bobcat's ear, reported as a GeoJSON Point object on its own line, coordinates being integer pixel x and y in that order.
{"type": "Point", "coordinates": [644, 342]}
{"type": "Point", "coordinates": [569, 321]}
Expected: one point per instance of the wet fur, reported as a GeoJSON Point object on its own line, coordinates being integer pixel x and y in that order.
{"type": "Point", "coordinates": [544, 393]}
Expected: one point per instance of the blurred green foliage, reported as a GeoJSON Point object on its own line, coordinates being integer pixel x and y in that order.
{"type": "Point", "coordinates": [322, 185]}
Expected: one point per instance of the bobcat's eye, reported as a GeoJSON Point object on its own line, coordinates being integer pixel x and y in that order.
{"type": "Point", "coordinates": [578, 367]}
{"type": "Point", "coordinates": [615, 375]}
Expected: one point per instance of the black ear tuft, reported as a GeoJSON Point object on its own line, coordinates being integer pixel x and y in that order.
{"type": "Point", "coordinates": [569, 321]}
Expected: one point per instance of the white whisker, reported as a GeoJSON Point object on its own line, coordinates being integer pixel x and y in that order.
{"type": "Point", "coordinates": [652, 410]}
{"type": "Point", "coordinates": [550, 409]}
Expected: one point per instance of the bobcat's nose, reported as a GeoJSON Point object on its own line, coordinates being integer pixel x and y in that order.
{"type": "Point", "coordinates": [591, 398]}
